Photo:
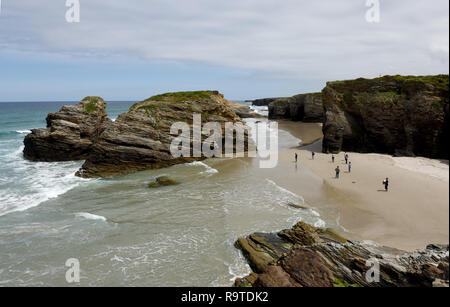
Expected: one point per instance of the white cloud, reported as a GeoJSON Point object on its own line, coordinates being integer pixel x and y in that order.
{"type": "Point", "coordinates": [326, 39]}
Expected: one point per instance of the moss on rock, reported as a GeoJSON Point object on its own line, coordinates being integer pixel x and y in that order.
{"type": "Point", "coordinates": [162, 181]}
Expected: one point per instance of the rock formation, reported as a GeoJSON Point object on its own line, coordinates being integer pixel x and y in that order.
{"type": "Point", "coordinates": [138, 140]}
{"type": "Point", "coordinates": [398, 115]}
{"type": "Point", "coordinates": [264, 101]}
{"type": "Point", "coordinates": [303, 107]}
{"type": "Point", "coordinates": [70, 133]}
{"type": "Point", "coordinates": [305, 256]}
{"type": "Point", "coordinates": [243, 111]}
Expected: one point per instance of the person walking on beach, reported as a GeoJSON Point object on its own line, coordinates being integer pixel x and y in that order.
{"type": "Point", "coordinates": [313, 155]}
{"type": "Point", "coordinates": [296, 157]}
{"type": "Point", "coordinates": [338, 171]}
{"type": "Point", "coordinates": [386, 184]}
{"type": "Point", "coordinates": [349, 167]}
{"type": "Point", "coordinates": [346, 158]}
{"type": "Point", "coordinates": [333, 158]}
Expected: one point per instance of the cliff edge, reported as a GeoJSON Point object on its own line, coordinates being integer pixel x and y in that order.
{"type": "Point", "coordinates": [397, 115]}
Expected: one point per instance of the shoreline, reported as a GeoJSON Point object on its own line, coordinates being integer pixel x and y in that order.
{"type": "Point", "coordinates": [413, 214]}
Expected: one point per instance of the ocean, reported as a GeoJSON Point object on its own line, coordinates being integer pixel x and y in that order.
{"type": "Point", "coordinates": [122, 232]}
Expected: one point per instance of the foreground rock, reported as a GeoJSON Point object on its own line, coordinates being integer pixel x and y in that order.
{"type": "Point", "coordinates": [396, 115]}
{"type": "Point", "coordinates": [305, 256]}
{"type": "Point", "coordinates": [70, 133]}
{"type": "Point", "coordinates": [304, 107]}
{"type": "Point", "coordinates": [141, 139]}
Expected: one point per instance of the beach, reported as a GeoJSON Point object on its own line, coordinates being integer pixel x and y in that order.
{"type": "Point", "coordinates": [413, 214]}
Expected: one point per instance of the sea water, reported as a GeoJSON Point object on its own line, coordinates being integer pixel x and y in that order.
{"type": "Point", "coordinates": [122, 232]}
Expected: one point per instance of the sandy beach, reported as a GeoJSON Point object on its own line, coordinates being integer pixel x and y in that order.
{"type": "Point", "coordinates": [413, 214]}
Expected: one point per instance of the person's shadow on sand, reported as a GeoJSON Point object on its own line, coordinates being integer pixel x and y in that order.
{"type": "Point", "coordinates": [382, 191]}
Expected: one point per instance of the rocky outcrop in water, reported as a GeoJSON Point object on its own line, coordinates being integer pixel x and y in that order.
{"type": "Point", "coordinates": [304, 107]}
{"type": "Point", "coordinates": [398, 115]}
{"type": "Point", "coordinates": [305, 256]}
{"type": "Point", "coordinates": [141, 139]}
{"type": "Point", "coordinates": [138, 140]}
{"type": "Point", "coordinates": [70, 133]}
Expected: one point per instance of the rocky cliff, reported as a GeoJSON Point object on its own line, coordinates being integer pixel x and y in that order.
{"type": "Point", "coordinates": [138, 140]}
{"type": "Point", "coordinates": [398, 115]}
{"type": "Point", "coordinates": [264, 101]}
{"type": "Point", "coordinates": [70, 133]}
{"type": "Point", "coordinates": [303, 107]}
{"type": "Point", "coordinates": [305, 256]}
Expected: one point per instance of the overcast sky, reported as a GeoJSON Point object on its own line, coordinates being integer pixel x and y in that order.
{"type": "Point", "coordinates": [133, 49]}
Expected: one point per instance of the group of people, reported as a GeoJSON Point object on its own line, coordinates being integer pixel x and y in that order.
{"type": "Point", "coordinates": [349, 165]}
{"type": "Point", "coordinates": [338, 169]}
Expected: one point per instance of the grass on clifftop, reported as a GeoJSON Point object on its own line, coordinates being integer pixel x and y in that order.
{"type": "Point", "coordinates": [439, 81]}
{"type": "Point", "coordinates": [91, 106]}
{"type": "Point", "coordinates": [177, 97]}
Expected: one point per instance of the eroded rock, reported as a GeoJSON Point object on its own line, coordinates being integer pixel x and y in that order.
{"type": "Point", "coordinates": [398, 115]}
{"type": "Point", "coordinates": [70, 133]}
{"type": "Point", "coordinates": [319, 258]}
{"type": "Point", "coordinates": [303, 107]}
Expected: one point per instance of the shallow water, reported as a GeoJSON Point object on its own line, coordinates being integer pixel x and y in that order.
{"type": "Point", "coordinates": [122, 232]}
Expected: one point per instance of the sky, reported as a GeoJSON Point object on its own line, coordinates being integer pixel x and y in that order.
{"type": "Point", "coordinates": [246, 49]}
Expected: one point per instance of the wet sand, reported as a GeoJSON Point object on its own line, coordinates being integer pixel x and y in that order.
{"type": "Point", "coordinates": [309, 133]}
{"type": "Point", "coordinates": [413, 214]}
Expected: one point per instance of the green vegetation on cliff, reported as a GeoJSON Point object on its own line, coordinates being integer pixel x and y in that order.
{"type": "Point", "coordinates": [440, 82]}
{"type": "Point", "coordinates": [91, 106]}
{"type": "Point", "coordinates": [176, 97]}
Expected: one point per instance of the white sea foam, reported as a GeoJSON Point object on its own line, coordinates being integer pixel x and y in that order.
{"type": "Point", "coordinates": [284, 190]}
{"type": "Point", "coordinates": [262, 110]}
{"type": "Point", "coordinates": [209, 169]}
{"type": "Point", "coordinates": [27, 184]}
{"type": "Point", "coordinates": [23, 131]}
{"type": "Point", "coordinates": [90, 216]}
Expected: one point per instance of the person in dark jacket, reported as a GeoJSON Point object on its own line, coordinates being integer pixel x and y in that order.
{"type": "Point", "coordinates": [386, 184]}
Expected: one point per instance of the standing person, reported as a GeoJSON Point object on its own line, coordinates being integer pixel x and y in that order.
{"type": "Point", "coordinates": [338, 171]}
{"type": "Point", "coordinates": [386, 184]}
{"type": "Point", "coordinates": [346, 158]}
{"type": "Point", "coordinates": [296, 157]}
{"type": "Point", "coordinates": [349, 167]}
{"type": "Point", "coordinates": [313, 155]}
{"type": "Point", "coordinates": [332, 158]}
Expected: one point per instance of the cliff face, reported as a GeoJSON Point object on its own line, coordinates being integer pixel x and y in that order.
{"type": "Point", "coordinates": [70, 133]}
{"type": "Point", "coordinates": [393, 114]}
{"type": "Point", "coordinates": [264, 101]}
{"type": "Point", "coordinates": [303, 107]}
{"type": "Point", "coordinates": [305, 256]}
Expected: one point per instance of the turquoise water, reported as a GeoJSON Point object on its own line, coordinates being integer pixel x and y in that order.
{"type": "Point", "coordinates": [122, 232]}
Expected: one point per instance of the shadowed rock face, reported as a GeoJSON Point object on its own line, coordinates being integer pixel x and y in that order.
{"type": "Point", "coordinates": [305, 256]}
{"type": "Point", "coordinates": [70, 133]}
{"type": "Point", "coordinates": [304, 107]}
{"type": "Point", "coordinates": [264, 101]}
{"type": "Point", "coordinates": [395, 115]}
